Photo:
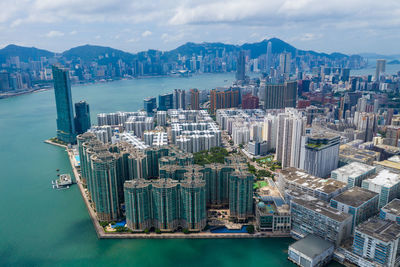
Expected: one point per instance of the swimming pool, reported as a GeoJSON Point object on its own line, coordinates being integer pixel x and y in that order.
{"type": "Point", "coordinates": [223, 230]}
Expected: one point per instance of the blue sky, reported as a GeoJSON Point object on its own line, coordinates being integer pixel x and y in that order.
{"type": "Point", "coordinates": [348, 26]}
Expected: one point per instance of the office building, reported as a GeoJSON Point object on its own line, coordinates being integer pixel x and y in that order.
{"type": "Point", "coordinates": [241, 66]}
{"type": "Point", "coordinates": [278, 96]}
{"type": "Point", "coordinates": [149, 104]}
{"type": "Point", "coordinates": [269, 57]}
{"type": "Point", "coordinates": [391, 211]}
{"type": "Point", "coordinates": [386, 184]}
{"type": "Point", "coordinates": [194, 99]}
{"type": "Point", "coordinates": [380, 68]}
{"type": "Point", "coordinates": [359, 202]}
{"type": "Point", "coordinates": [320, 153]}
{"type": "Point", "coordinates": [285, 61]}
{"type": "Point", "coordinates": [165, 102]}
{"type": "Point", "coordinates": [377, 241]}
{"type": "Point", "coordinates": [241, 195]}
{"type": "Point", "coordinates": [311, 251]}
{"type": "Point", "coordinates": [353, 173]}
{"type": "Point", "coordinates": [315, 217]}
{"type": "Point", "coordinates": [4, 81]}
{"type": "Point", "coordinates": [65, 112]}
{"type": "Point", "coordinates": [82, 118]}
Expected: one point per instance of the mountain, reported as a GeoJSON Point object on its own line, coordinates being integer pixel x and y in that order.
{"type": "Point", "coordinates": [255, 49]}
{"type": "Point", "coordinates": [102, 54]}
{"type": "Point", "coordinates": [24, 53]}
{"type": "Point", "coordinates": [105, 55]}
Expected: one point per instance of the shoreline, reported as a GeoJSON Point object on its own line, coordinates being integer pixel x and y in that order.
{"type": "Point", "coordinates": [102, 234]}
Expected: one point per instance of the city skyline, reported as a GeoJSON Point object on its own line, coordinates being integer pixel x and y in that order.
{"type": "Point", "coordinates": [353, 26]}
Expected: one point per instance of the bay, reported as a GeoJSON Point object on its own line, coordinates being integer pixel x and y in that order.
{"type": "Point", "coordinates": [40, 226]}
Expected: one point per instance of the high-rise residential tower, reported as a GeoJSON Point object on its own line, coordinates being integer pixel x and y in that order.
{"type": "Point", "coordinates": [65, 112]}
{"type": "Point", "coordinates": [320, 153]}
{"type": "Point", "coordinates": [179, 99]}
{"type": "Point", "coordinates": [194, 99]}
{"type": "Point", "coordinates": [165, 102]}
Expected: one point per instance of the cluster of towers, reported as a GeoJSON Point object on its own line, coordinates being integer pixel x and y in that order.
{"type": "Point", "coordinates": [161, 187]}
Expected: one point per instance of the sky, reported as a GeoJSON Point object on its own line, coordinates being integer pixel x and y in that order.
{"type": "Point", "coordinates": [347, 26]}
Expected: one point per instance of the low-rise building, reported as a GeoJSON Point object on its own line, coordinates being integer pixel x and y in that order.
{"type": "Point", "coordinates": [359, 202]}
{"type": "Point", "coordinates": [391, 211]}
{"type": "Point", "coordinates": [378, 241]}
{"type": "Point", "coordinates": [311, 251]}
{"type": "Point", "coordinates": [386, 184]}
{"type": "Point", "coordinates": [353, 173]}
{"type": "Point", "coordinates": [316, 217]}
{"type": "Point", "coordinates": [300, 181]}
{"type": "Point", "coordinates": [348, 154]}
{"type": "Point", "coordinates": [272, 217]}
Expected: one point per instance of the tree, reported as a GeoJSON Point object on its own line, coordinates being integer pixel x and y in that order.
{"type": "Point", "coordinates": [158, 231]}
{"type": "Point", "coordinates": [250, 229]}
{"type": "Point", "coordinates": [186, 231]}
{"type": "Point", "coordinates": [241, 146]}
{"type": "Point", "coordinates": [147, 231]}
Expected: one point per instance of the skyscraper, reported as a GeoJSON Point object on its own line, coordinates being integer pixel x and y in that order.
{"type": "Point", "coordinates": [165, 102]}
{"type": "Point", "coordinates": [380, 68]}
{"type": "Point", "coordinates": [285, 60]}
{"type": "Point", "coordinates": [179, 99]}
{"type": "Point", "coordinates": [241, 195]}
{"type": "Point", "coordinates": [241, 67]}
{"type": "Point", "coordinates": [224, 98]}
{"type": "Point", "coordinates": [65, 112]}
{"type": "Point", "coordinates": [194, 99]}
{"type": "Point", "coordinates": [268, 63]}
{"type": "Point", "coordinates": [149, 104]}
{"type": "Point", "coordinates": [320, 153]}
{"type": "Point", "coordinates": [277, 96]}
{"type": "Point", "coordinates": [82, 118]}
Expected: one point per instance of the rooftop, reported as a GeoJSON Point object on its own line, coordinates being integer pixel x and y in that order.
{"type": "Point", "coordinates": [385, 231]}
{"type": "Point", "coordinates": [354, 169]}
{"type": "Point", "coordinates": [355, 196]}
{"type": "Point", "coordinates": [307, 180]}
{"type": "Point", "coordinates": [384, 178]}
{"type": "Point", "coordinates": [393, 207]}
{"type": "Point", "coordinates": [311, 246]}
{"type": "Point", "coordinates": [321, 207]}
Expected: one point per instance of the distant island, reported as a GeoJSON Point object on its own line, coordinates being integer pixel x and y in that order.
{"type": "Point", "coordinates": [394, 62]}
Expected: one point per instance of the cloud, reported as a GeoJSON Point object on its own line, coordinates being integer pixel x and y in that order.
{"type": "Point", "coordinates": [146, 33]}
{"type": "Point", "coordinates": [52, 34]}
{"type": "Point", "coordinates": [73, 32]}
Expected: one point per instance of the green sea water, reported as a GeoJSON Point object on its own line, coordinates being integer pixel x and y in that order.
{"type": "Point", "coordinates": [40, 226]}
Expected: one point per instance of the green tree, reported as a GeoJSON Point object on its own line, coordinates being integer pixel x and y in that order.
{"type": "Point", "coordinates": [186, 231]}
{"type": "Point", "coordinates": [147, 231]}
{"type": "Point", "coordinates": [158, 231]}
{"type": "Point", "coordinates": [250, 229]}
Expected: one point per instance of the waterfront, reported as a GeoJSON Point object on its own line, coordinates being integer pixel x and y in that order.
{"type": "Point", "coordinates": [40, 226]}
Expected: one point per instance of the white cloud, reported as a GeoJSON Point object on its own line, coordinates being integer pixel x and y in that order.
{"type": "Point", "coordinates": [146, 33]}
{"type": "Point", "coordinates": [73, 32]}
{"type": "Point", "coordinates": [51, 34]}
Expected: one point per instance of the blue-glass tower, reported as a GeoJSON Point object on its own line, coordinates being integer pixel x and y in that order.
{"type": "Point", "coordinates": [82, 118]}
{"type": "Point", "coordinates": [149, 104]}
{"type": "Point", "coordinates": [65, 112]}
{"type": "Point", "coordinates": [165, 102]}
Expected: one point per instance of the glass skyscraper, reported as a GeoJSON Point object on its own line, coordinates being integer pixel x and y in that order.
{"type": "Point", "coordinates": [82, 118]}
{"type": "Point", "coordinates": [65, 112]}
